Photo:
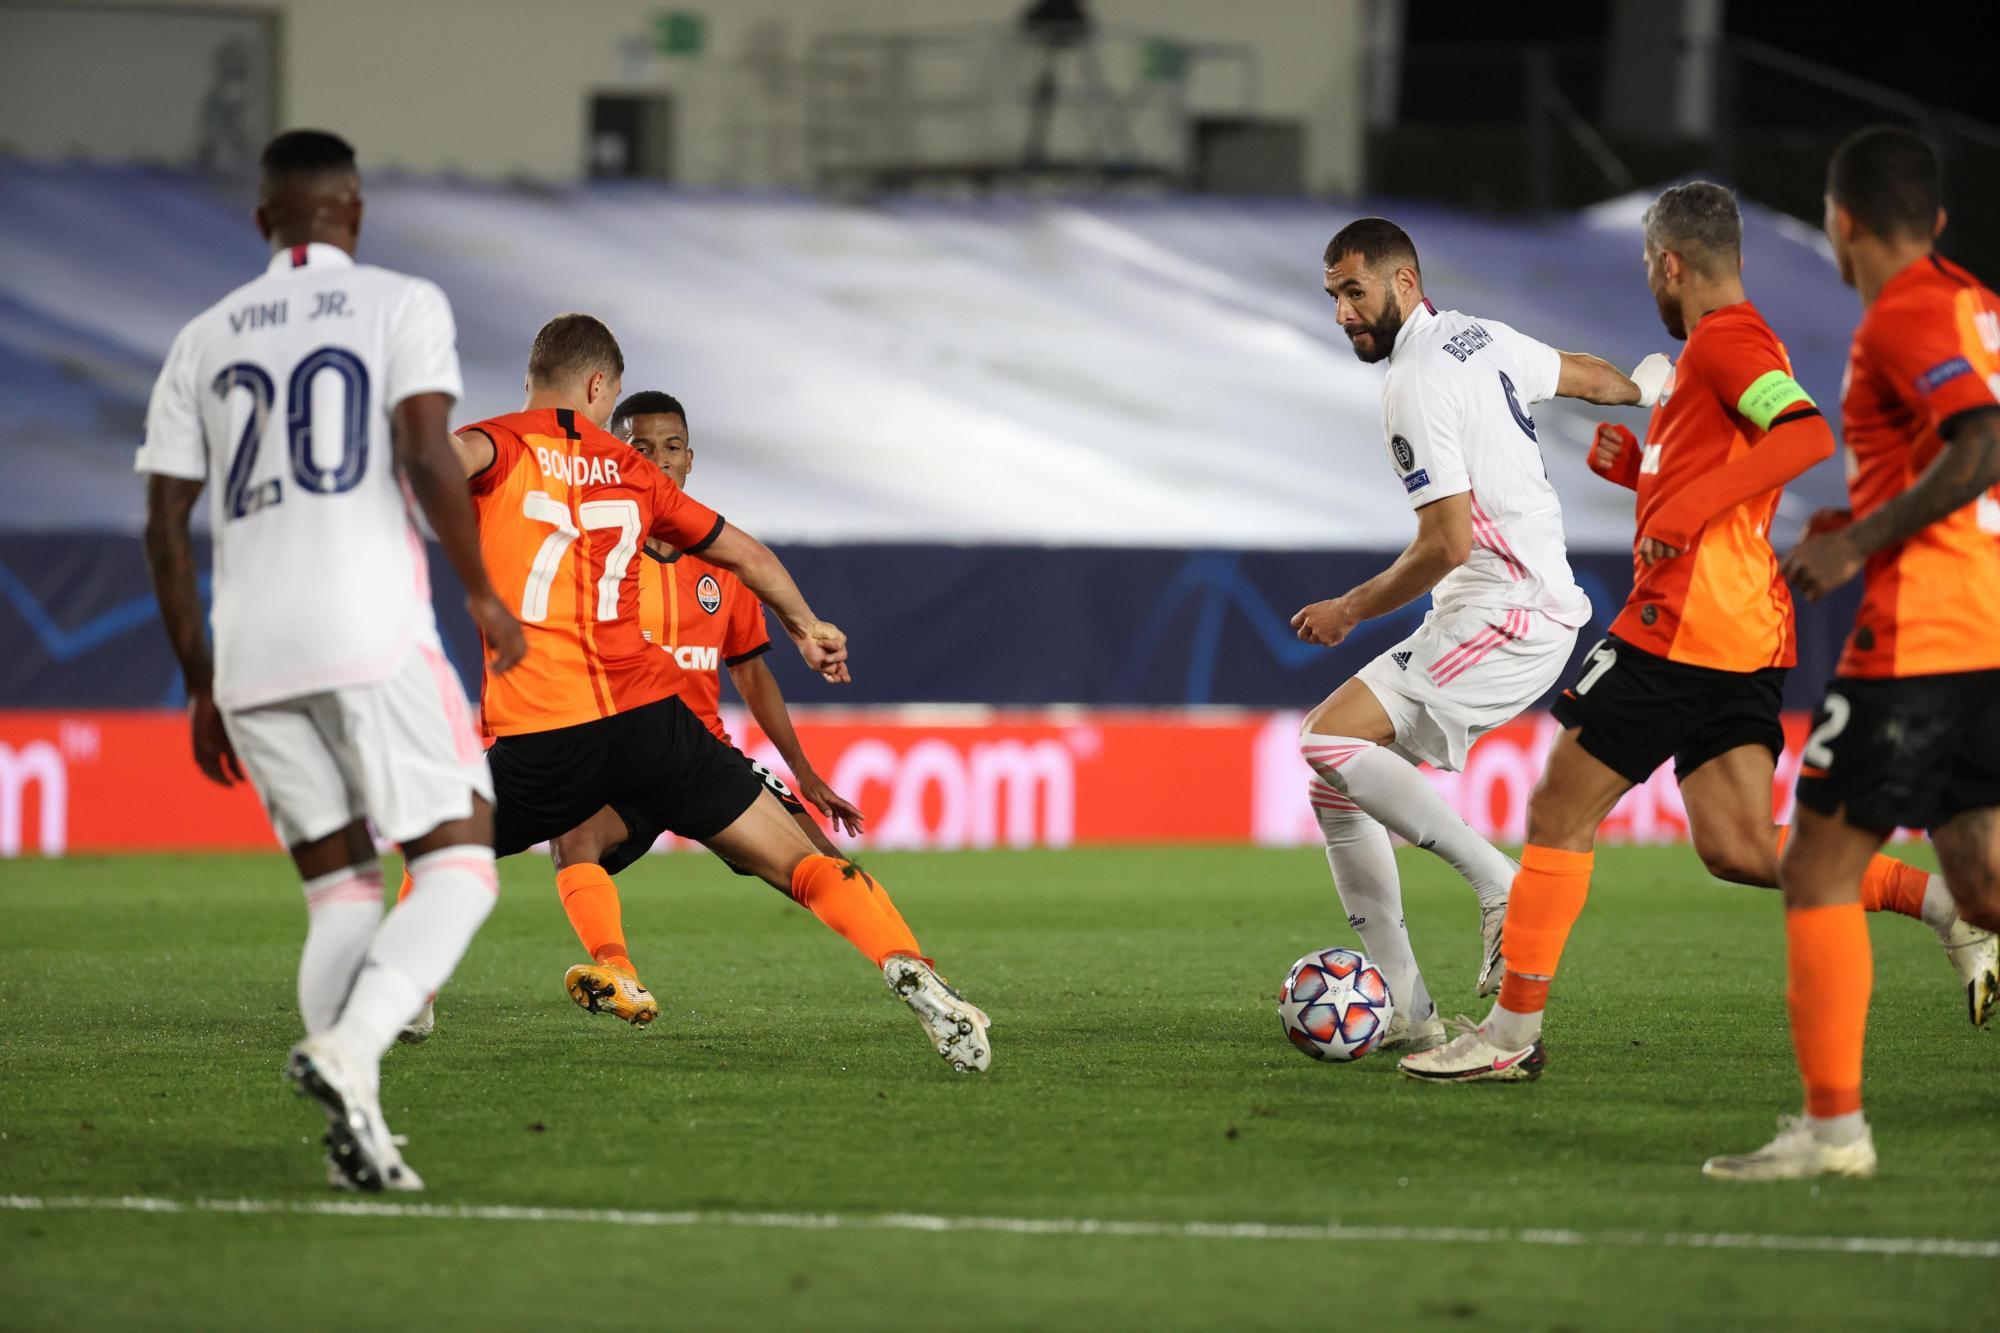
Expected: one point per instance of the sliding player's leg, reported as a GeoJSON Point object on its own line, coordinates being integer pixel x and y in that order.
{"type": "Point", "coordinates": [767, 842]}
{"type": "Point", "coordinates": [1829, 973]}
{"type": "Point", "coordinates": [1576, 792]}
{"type": "Point", "coordinates": [1347, 742]}
{"type": "Point", "coordinates": [1726, 799]}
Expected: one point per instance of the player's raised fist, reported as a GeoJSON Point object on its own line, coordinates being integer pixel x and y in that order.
{"type": "Point", "coordinates": [824, 649]}
{"type": "Point", "coordinates": [1609, 447]}
{"type": "Point", "coordinates": [506, 645]}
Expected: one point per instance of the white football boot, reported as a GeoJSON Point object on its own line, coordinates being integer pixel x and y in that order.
{"type": "Point", "coordinates": [956, 1027]}
{"type": "Point", "coordinates": [358, 1143]}
{"type": "Point", "coordinates": [1491, 918]}
{"type": "Point", "coordinates": [1796, 1154]}
{"type": "Point", "coordinates": [1421, 1035]}
{"type": "Point", "coordinates": [1975, 956]}
{"type": "Point", "coordinates": [1470, 1058]}
{"type": "Point", "coordinates": [418, 1030]}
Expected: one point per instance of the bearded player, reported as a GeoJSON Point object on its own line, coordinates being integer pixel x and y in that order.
{"type": "Point", "coordinates": [1909, 732]}
{"type": "Point", "coordinates": [702, 617]}
{"type": "Point", "coordinates": [1695, 664]}
{"type": "Point", "coordinates": [595, 718]}
{"type": "Point", "coordinates": [1505, 609]}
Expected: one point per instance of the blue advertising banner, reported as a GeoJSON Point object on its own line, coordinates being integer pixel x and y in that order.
{"type": "Point", "coordinates": [1004, 625]}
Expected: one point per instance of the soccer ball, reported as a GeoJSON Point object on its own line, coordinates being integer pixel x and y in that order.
{"type": "Point", "coordinates": [1335, 1005]}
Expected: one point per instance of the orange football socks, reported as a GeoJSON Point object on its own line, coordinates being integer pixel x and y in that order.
{"type": "Point", "coordinates": [590, 900]}
{"type": "Point", "coordinates": [1887, 885]}
{"type": "Point", "coordinates": [852, 904]}
{"type": "Point", "coordinates": [1829, 972]}
{"type": "Point", "coordinates": [1546, 899]}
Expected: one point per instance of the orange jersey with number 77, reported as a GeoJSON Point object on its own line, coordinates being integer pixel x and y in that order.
{"type": "Point", "coordinates": [563, 511]}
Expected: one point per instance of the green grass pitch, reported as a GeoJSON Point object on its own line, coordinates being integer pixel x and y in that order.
{"type": "Point", "coordinates": [1139, 1075]}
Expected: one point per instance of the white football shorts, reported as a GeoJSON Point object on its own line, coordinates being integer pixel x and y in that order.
{"type": "Point", "coordinates": [401, 752]}
{"type": "Point", "coordinates": [1463, 673]}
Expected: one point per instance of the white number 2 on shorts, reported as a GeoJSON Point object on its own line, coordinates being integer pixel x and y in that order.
{"type": "Point", "coordinates": [1838, 710]}
{"type": "Point", "coordinates": [1602, 658]}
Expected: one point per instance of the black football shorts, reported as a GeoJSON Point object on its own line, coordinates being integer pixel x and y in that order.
{"type": "Point", "coordinates": [643, 829]}
{"type": "Point", "coordinates": [1904, 753]}
{"type": "Point", "coordinates": [1634, 710]}
{"type": "Point", "coordinates": [658, 762]}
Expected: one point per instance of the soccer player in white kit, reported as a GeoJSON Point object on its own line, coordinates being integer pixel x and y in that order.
{"type": "Point", "coordinates": [1505, 609]}
{"type": "Point", "coordinates": [311, 402]}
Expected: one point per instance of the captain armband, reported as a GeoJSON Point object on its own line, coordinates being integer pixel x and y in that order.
{"type": "Point", "coordinates": [1768, 395]}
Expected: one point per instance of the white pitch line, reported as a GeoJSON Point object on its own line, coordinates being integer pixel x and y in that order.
{"type": "Point", "coordinates": [1941, 1247]}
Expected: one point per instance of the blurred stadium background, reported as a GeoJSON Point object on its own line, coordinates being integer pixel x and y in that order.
{"type": "Point", "coordinates": [1001, 321]}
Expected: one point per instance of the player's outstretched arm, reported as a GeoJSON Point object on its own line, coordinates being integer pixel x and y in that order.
{"type": "Point", "coordinates": [759, 689]}
{"type": "Point", "coordinates": [1595, 380]}
{"type": "Point", "coordinates": [1967, 467]}
{"type": "Point", "coordinates": [822, 645]}
{"type": "Point", "coordinates": [170, 502]}
{"type": "Point", "coordinates": [431, 460]}
{"type": "Point", "coordinates": [1443, 543]}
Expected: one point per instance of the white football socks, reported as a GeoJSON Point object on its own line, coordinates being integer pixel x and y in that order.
{"type": "Point", "coordinates": [342, 911]}
{"type": "Point", "coordinates": [1511, 1031]}
{"type": "Point", "coordinates": [418, 945]}
{"type": "Point", "coordinates": [1837, 1131]}
{"type": "Point", "coordinates": [1939, 911]}
{"type": "Point", "coordinates": [1389, 787]}
{"type": "Point", "coordinates": [1364, 874]}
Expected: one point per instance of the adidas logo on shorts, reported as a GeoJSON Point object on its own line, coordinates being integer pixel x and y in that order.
{"type": "Point", "coordinates": [1402, 660]}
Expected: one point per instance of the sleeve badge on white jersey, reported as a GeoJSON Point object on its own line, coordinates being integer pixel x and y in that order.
{"type": "Point", "coordinates": [1400, 450]}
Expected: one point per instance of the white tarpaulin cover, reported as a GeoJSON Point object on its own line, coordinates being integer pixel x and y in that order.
{"type": "Point", "coordinates": [1111, 373]}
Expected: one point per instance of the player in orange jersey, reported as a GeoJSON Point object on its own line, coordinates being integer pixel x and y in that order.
{"type": "Point", "coordinates": [1695, 664]}
{"type": "Point", "coordinates": [1909, 732]}
{"type": "Point", "coordinates": [594, 717]}
{"type": "Point", "coordinates": [702, 617]}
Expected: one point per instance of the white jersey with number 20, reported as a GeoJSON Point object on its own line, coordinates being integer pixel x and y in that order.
{"type": "Point", "coordinates": [279, 397]}
{"type": "Point", "coordinates": [1456, 420]}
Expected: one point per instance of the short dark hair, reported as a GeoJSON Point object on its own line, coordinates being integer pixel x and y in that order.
{"type": "Point", "coordinates": [1889, 181]}
{"type": "Point", "coordinates": [298, 152]}
{"type": "Point", "coordinates": [647, 403]}
{"type": "Point", "coordinates": [1374, 239]}
{"type": "Point", "coordinates": [1698, 221]}
{"type": "Point", "coordinates": [572, 345]}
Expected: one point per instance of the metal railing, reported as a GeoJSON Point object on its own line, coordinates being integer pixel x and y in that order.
{"type": "Point", "coordinates": [983, 105]}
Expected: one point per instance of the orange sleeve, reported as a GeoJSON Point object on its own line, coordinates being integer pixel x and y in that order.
{"type": "Point", "coordinates": [1919, 351]}
{"type": "Point", "coordinates": [507, 447]}
{"type": "Point", "coordinates": [1738, 357]}
{"type": "Point", "coordinates": [747, 635]}
{"type": "Point", "coordinates": [1744, 365]}
{"type": "Point", "coordinates": [680, 521]}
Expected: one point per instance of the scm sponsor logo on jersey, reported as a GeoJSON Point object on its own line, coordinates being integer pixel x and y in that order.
{"type": "Point", "coordinates": [692, 658]}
